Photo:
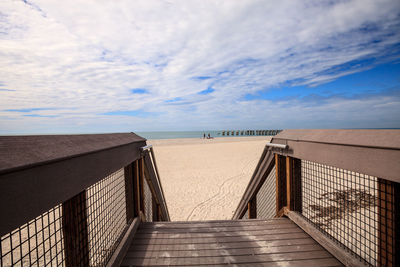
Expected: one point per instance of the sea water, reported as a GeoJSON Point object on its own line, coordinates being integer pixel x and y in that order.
{"type": "Point", "coordinates": [190, 134]}
{"type": "Point", "coordinates": [179, 134]}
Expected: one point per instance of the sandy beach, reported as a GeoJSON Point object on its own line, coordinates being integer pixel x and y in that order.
{"type": "Point", "coordinates": [204, 179]}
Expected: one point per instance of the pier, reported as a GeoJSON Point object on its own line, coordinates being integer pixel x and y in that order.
{"type": "Point", "coordinates": [250, 132]}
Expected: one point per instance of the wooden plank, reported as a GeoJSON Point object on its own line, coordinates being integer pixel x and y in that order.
{"type": "Point", "coordinates": [123, 245]}
{"type": "Point", "coordinates": [218, 229]}
{"type": "Point", "coordinates": [223, 252]}
{"type": "Point", "coordinates": [331, 262]}
{"type": "Point", "coordinates": [216, 223]}
{"type": "Point", "coordinates": [75, 231]}
{"type": "Point", "coordinates": [243, 244]}
{"type": "Point", "coordinates": [221, 239]}
{"type": "Point", "coordinates": [227, 259]}
{"type": "Point", "coordinates": [214, 234]}
{"type": "Point", "coordinates": [129, 195]}
{"type": "Point", "coordinates": [24, 152]}
{"type": "Point", "coordinates": [345, 257]}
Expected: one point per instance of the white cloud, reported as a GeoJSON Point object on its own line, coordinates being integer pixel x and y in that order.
{"type": "Point", "coordinates": [85, 56]}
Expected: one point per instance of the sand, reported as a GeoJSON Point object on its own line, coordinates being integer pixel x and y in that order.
{"type": "Point", "coordinates": [204, 179]}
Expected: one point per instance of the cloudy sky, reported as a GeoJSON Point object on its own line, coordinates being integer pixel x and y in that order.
{"type": "Point", "coordinates": [112, 66]}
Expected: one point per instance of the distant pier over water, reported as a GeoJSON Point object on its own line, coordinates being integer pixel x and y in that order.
{"type": "Point", "coordinates": [249, 132]}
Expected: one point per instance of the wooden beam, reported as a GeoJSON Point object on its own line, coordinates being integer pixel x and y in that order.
{"type": "Point", "coordinates": [388, 217]}
{"type": "Point", "coordinates": [252, 208]}
{"type": "Point", "coordinates": [332, 247]}
{"type": "Point", "coordinates": [141, 181]}
{"type": "Point", "coordinates": [75, 231]}
{"type": "Point", "coordinates": [160, 217]}
{"type": "Point", "coordinates": [263, 168]}
{"type": "Point", "coordinates": [123, 246]}
{"type": "Point", "coordinates": [136, 186]}
{"type": "Point", "coordinates": [152, 176]}
{"type": "Point", "coordinates": [129, 193]}
{"type": "Point", "coordinates": [280, 168]}
{"type": "Point", "coordinates": [289, 166]}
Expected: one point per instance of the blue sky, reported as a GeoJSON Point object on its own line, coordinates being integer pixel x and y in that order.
{"type": "Point", "coordinates": [194, 65]}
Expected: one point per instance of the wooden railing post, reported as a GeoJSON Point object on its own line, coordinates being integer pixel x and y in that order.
{"type": "Point", "coordinates": [280, 168]}
{"type": "Point", "coordinates": [388, 220]}
{"type": "Point", "coordinates": [136, 187]}
{"type": "Point", "coordinates": [141, 188]}
{"type": "Point", "coordinates": [252, 208]}
{"type": "Point", "coordinates": [293, 184]}
{"type": "Point", "coordinates": [129, 193]}
{"type": "Point", "coordinates": [75, 231]}
{"type": "Point", "coordinates": [159, 212]}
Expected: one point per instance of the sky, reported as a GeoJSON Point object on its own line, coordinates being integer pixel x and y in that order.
{"type": "Point", "coordinates": [122, 66]}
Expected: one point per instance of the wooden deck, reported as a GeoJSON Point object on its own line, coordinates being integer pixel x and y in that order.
{"type": "Point", "coordinates": [276, 242]}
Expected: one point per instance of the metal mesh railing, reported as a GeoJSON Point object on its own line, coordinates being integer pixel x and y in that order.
{"type": "Point", "coordinates": [148, 202]}
{"type": "Point", "coordinates": [36, 243]}
{"type": "Point", "coordinates": [245, 215]}
{"type": "Point", "coordinates": [266, 197]}
{"type": "Point", "coordinates": [343, 205]}
{"type": "Point", "coordinates": [106, 209]}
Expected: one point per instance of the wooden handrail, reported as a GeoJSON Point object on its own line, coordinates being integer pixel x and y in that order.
{"type": "Point", "coordinates": [371, 152]}
{"type": "Point", "coordinates": [40, 172]}
{"type": "Point", "coordinates": [264, 166]}
{"type": "Point", "coordinates": [155, 184]}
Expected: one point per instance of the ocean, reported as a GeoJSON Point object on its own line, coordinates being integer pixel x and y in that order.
{"type": "Point", "coordinates": [178, 134]}
{"type": "Point", "coordinates": [187, 134]}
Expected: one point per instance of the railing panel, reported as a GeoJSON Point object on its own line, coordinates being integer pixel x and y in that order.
{"type": "Point", "coordinates": [148, 203]}
{"type": "Point", "coordinates": [36, 243]}
{"type": "Point", "coordinates": [344, 205]}
{"type": "Point", "coordinates": [245, 215]}
{"type": "Point", "coordinates": [106, 207]}
{"type": "Point", "coordinates": [266, 198]}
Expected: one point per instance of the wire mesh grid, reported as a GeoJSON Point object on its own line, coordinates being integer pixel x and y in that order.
{"type": "Point", "coordinates": [266, 197]}
{"type": "Point", "coordinates": [245, 215]}
{"type": "Point", "coordinates": [36, 243]}
{"type": "Point", "coordinates": [107, 223]}
{"type": "Point", "coordinates": [148, 202]}
{"type": "Point", "coordinates": [343, 204]}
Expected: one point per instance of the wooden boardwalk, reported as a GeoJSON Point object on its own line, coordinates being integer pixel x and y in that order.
{"type": "Point", "coordinates": [275, 242]}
